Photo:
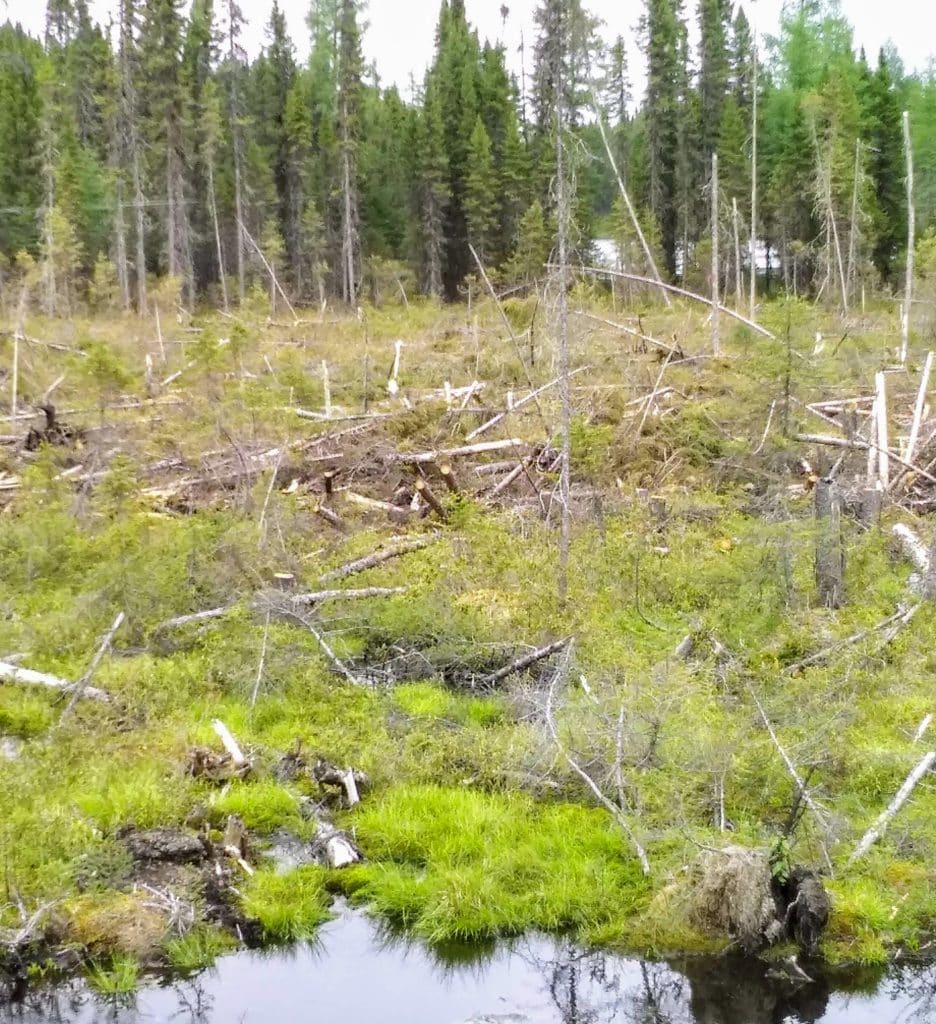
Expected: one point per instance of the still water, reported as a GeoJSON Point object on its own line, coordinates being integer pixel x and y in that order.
{"type": "Point", "coordinates": [357, 974]}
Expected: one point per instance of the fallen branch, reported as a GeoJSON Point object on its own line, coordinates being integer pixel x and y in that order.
{"type": "Point", "coordinates": [330, 655]}
{"type": "Point", "coordinates": [899, 619]}
{"type": "Point", "coordinates": [414, 458]}
{"type": "Point", "coordinates": [604, 271]}
{"type": "Point", "coordinates": [103, 648]}
{"type": "Point", "coordinates": [184, 620]}
{"type": "Point", "coordinates": [862, 446]}
{"type": "Point", "coordinates": [230, 744]}
{"type": "Point", "coordinates": [519, 405]}
{"type": "Point", "coordinates": [524, 662]}
{"type": "Point", "coordinates": [616, 812]}
{"type": "Point", "coordinates": [378, 558]}
{"type": "Point", "coordinates": [632, 332]}
{"type": "Point", "coordinates": [878, 829]}
{"type": "Point", "coordinates": [26, 677]}
{"type": "Point", "coordinates": [318, 596]}
{"type": "Point", "coordinates": [913, 547]}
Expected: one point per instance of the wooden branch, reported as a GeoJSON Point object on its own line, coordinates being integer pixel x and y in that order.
{"type": "Point", "coordinates": [330, 655]}
{"type": "Point", "coordinates": [331, 517]}
{"type": "Point", "coordinates": [448, 478]}
{"type": "Point", "coordinates": [878, 829]}
{"type": "Point", "coordinates": [26, 677]}
{"type": "Point", "coordinates": [318, 596]}
{"type": "Point", "coordinates": [794, 774]}
{"type": "Point", "coordinates": [918, 408]}
{"type": "Point", "coordinates": [506, 321]}
{"type": "Point", "coordinates": [416, 458]}
{"type": "Point", "coordinates": [508, 480]}
{"type": "Point", "coordinates": [860, 446]}
{"type": "Point", "coordinates": [899, 619]}
{"type": "Point", "coordinates": [913, 548]}
{"type": "Point", "coordinates": [604, 271]}
{"type": "Point", "coordinates": [525, 661]}
{"type": "Point", "coordinates": [646, 338]}
{"type": "Point", "coordinates": [378, 558]}
{"type": "Point", "coordinates": [230, 744]}
{"type": "Point", "coordinates": [184, 620]}
{"type": "Point", "coordinates": [425, 492]}
{"type": "Point", "coordinates": [103, 648]}
{"type": "Point", "coordinates": [651, 263]}
{"type": "Point", "coordinates": [519, 405]}
{"type": "Point", "coordinates": [616, 812]}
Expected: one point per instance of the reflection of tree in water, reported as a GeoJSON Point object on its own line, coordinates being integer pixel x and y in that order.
{"type": "Point", "coordinates": [67, 1003]}
{"type": "Point", "coordinates": [589, 987]}
{"type": "Point", "coordinates": [742, 990]}
{"type": "Point", "coordinates": [915, 987]}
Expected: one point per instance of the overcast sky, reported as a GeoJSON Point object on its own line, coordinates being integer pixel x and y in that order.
{"type": "Point", "coordinates": [400, 34]}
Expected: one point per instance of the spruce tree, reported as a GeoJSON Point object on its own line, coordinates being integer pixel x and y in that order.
{"type": "Point", "coordinates": [480, 186]}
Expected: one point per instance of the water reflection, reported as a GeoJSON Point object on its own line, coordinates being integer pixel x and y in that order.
{"type": "Point", "coordinates": [362, 974]}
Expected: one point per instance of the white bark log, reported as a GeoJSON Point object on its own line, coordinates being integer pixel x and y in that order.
{"type": "Point", "coordinates": [26, 677]}
{"type": "Point", "coordinates": [913, 547]}
{"type": "Point", "coordinates": [230, 744]}
{"type": "Point", "coordinates": [878, 829]}
{"type": "Point", "coordinates": [883, 436]}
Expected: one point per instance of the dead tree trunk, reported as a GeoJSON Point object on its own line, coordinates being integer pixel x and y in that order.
{"type": "Point", "coordinates": [830, 555]}
{"type": "Point", "coordinates": [911, 227]}
{"type": "Point", "coordinates": [716, 340]}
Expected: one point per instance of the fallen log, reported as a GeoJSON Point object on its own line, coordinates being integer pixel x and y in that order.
{"type": "Point", "coordinates": [318, 596]}
{"type": "Point", "coordinates": [862, 446]}
{"type": "Point", "coordinates": [525, 661]}
{"type": "Point", "coordinates": [878, 829]}
{"type": "Point", "coordinates": [415, 458]}
{"type": "Point", "coordinates": [378, 558]}
{"type": "Point", "coordinates": [26, 677]}
{"type": "Point", "coordinates": [531, 397]}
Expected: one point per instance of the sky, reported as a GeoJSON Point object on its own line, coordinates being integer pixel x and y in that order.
{"type": "Point", "coordinates": [400, 35]}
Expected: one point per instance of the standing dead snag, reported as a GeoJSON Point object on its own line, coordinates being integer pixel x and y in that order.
{"type": "Point", "coordinates": [830, 554]}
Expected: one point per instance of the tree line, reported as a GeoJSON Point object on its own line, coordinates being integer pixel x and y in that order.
{"type": "Point", "coordinates": [153, 150]}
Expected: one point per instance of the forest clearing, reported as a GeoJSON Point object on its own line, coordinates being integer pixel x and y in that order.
{"type": "Point", "coordinates": [343, 547]}
{"type": "Point", "coordinates": [496, 518]}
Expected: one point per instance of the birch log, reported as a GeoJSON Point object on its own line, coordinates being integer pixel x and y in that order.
{"type": "Point", "coordinates": [878, 829]}
{"type": "Point", "coordinates": [26, 677]}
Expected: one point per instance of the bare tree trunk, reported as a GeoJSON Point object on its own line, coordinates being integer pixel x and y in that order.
{"type": "Point", "coordinates": [830, 556]}
{"type": "Point", "coordinates": [239, 214]}
{"type": "Point", "coordinates": [716, 339]}
{"type": "Point", "coordinates": [348, 232]}
{"type": "Point", "coordinates": [853, 228]}
{"type": "Point", "coordinates": [171, 240]}
{"type": "Point", "coordinates": [50, 290]}
{"type": "Point", "coordinates": [120, 250]}
{"type": "Point", "coordinates": [565, 391]}
{"type": "Point", "coordinates": [739, 287]}
{"type": "Point", "coordinates": [238, 154]}
{"type": "Point", "coordinates": [138, 204]}
{"type": "Point", "coordinates": [911, 229]}
{"type": "Point", "coordinates": [754, 190]}
{"type": "Point", "coordinates": [217, 233]}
